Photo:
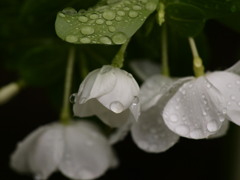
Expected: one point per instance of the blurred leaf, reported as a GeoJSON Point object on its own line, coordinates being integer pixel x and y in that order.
{"type": "Point", "coordinates": [110, 23]}
{"type": "Point", "coordinates": [231, 21]}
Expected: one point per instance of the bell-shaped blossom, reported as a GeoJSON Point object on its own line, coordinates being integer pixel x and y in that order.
{"type": "Point", "coordinates": [78, 150]}
{"type": "Point", "coordinates": [202, 107]}
{"type": "Point", "coordinates": [111, 94]}
{"type": "Point", "coordinates": [150, 132]}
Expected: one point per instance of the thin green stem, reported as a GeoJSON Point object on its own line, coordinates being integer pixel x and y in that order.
{"type": "Point", "coordinates": [83, 66]}
{"type": "Point", "coordinates": [65, 115]}
{"type": "Point", "coordinates": [119, 58]}
{"type": "Point", "coordinates": [198, 67]}
{"type": "Point", "coordinates": [165, 66]}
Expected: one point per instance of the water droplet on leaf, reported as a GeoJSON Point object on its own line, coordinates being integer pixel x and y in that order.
{"type": "Point", "coordinates": [109, 15]}
{"type": "Point", "coordinates": [119, 38]}
{"type": "Point", "coordinates": [71, 38]}
{"type": "Point", "coordinates": [116, 107]}
{"type": "Point", "coordinates": [105, 40]}
{"type": "Point", "coordinates": [85, 40]}
{"type": "Point", "coordinates": [83, 19]}
{"type": "Point", "coordinates": [87, 30]}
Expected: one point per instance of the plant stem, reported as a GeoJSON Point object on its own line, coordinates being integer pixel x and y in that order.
{"type": "Point", "coordinates": [65, 112]}
{"type": "Point", "coordinates": [119, 58]}
{"type": "Point", "coordinates": [165, 66]}
{"type": "Point", "coordinates": [198, 67]}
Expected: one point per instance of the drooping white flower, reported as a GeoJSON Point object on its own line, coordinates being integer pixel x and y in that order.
{"type": "Point", "coordinates": [78, 150]}
{"type": "Point", "coordinates": [150, 132]}
{"type": "Point", "coordinates": [201, 107]}
{"type": "Point", "coordinates": [111, 94]}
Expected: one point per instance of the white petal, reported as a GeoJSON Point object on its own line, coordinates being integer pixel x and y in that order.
{"type": "Point", "coordinates": [235, 68]}
{"type": "Point", "coordinates": [229, 86]}
{"type": "Point", "coordinates": [47, 153]}
{"type": "Point", "coordinates": [87, 152]}
{"type": "Point", "coordinates": [150, 132]}
{"type": "Point", "coordinates": [222, 131]}
{"type": "Point", "coordinates": [41, 152]}
{"type": "Point", "coordinates": [196, 111]}
{"type": "Point", "coordinates": [123, 94]}
{"type": "Point", "coordinates": [145, 68]}
{"type": "Point", "coordinates": [152, 89]}
{"type": "Point", "coordinates": [20, 158]}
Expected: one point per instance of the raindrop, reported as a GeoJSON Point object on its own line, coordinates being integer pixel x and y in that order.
{"type": "Point", "coordinates": [108, 22]}
{"type": "Point", "coordinates": [83, 19]}
{"type": "Point", "coordinates": [224, 111]}
{"type": "Point", "coordinates": [61, 15]}
{"type": "Point", "coordinates": [135, 100]}
{"type": "Point", "coordinates": [119, 38]}
{"type": "Point", "coordinates": [112, 29]}
{"type": "Point", "coordinates": [105, 40]}
{"type": "Point", "coordinates": [229, 85]}
{"type": "Point", "coordinates": [118, 18]}
{"type": "Point", "coordinates": [133, 14]}
{"type": "Point", "coordinates": [72, 98]}
{"type": "Point", "coordinates": [99, 21]}
{"type": "Point", "coordinates": [238, 82]}
{"type": "Point", "coordinates": [87, 30]}
{"type": "Point", "coordinates": [233, 97]}
{"type": "Point", "coordinates": [109, 15]}
{"type": "Point", "coordinates": [71, 38]}
{"type": "Point", "coordinates": [212, 126]}
{"type": "Point", "coordinates": [85, 40]}
{"type": "Point", "coordinates": [182, 130]}
{"type": "Point", "coordinates": [173, 118]}
{"type": "Point", "coordinates": [136, 7]}
{"type": "Point", "coordinates": [93, 16]}
{"type": "Point", "coordinates": [121, 13]}
{"type": "Point", "coordinates": [144, 1]}
{"type": "Point", "coordinates": [116, 107]}
{"type": "Point", "coordinates": [69, 11]}
{"type": "Point", "coordinates": [204, 113]}
{"type": "Point", "coordinates": [85, 174]}
{"type": "Point", "coordinates": [196, 134]}
{"type": "Point", "coordinates": [229, 103]}
{"type": "Point", "coordinates": [209, 85]}
{"type": "Point", "coordinates": [150, 6]}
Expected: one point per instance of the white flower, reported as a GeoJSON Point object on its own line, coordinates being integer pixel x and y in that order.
{"type": "Point", "coordinates": [111, 94]}
{"type": "Point", "coordinates": [150, 132]}
{"type": "Point", "coordinates": [202, 107]}
{"type": "Point", "coordinates": [78, 150]}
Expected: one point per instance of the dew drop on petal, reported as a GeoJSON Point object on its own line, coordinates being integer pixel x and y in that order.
{"type": "Point", "coordinates": [135, 101]}
{"type": "Point", "coordinates": [233, 97]}
{"type": "Point", "coordinates": [38, 177]}
{"type": "Point", "coordinates": [173, 118]}
{"type": "Point", "coordinates": [119, 38]}
{"type": "Point", "coordinates": [196, 134]}
{"type": "Point", "coordinates": [72, 98]}
{"type": "Point", "coordinates": [182, 130]}
{"type": "Point", "coordinates": [212, 126]}
{"type": "Point", "coordinates": [116, 107]}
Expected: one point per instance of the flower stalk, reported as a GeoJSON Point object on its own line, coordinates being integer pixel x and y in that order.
{"type": "Point", "coordinates": [65, 115]}
{"type": "Point", "coordinates": [119, 58]}
{"type": "Point", "coordinates": [165, 66]}
{"type": "Point", "coordinates": [198, 67]}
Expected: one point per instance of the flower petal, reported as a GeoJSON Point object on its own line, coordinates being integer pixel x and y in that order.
{"type": "Point", "coordinates": [87, 152]}
{"type": "Point", "coordinates": [235, 68]}
{"type": "Point", "coordinates": [152, 89]}
{"type": "Point", "coordinates": [145, 68]}
{"type": "Point", "coordinates": [229, 86]}
{"type": "Point", "coordinates": [222, 131]}
{"type": "Point", "coordinates": [123, 93]}
{"type": "Point", "coordinates": [196, 111]}
{"type": "Point", "coordinates": [151, 134]}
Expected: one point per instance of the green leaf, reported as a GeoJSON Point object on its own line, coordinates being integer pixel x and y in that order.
{"type": "Point", "coordinates": [110, 22]}
{"type": "Point", "coordinates": [230, 21]}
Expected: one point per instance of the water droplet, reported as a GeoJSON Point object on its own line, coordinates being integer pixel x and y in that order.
{"type": "Point", "coordinates": [82, 100]}
{"type": "Point", "coordinates": [239, 103]}
{"type": "Point", "coordinates": [177, 107]}
{"type": "Point", "coordinates": [133, 14]}
{"type": "Point", "coordinates": [135, 100]}
{"type": "Point", "coordinates": [238, 82]}
{"type": "Point", "coordinates": [108, 22]}
{"type": "Point", "coordinates": [111, 28]}
{"type": "Point", "coordinates": [229, 85]}
{"type": "Point", "coordinates": [85, 174]}
{"type": "Point", "coordinates": [99, 21]}
{"type": "Point", "coordinates": [136, 7]}
{"type": "Point", "coordinates": [233, 97]}
{"type": "Point", "coordinates": [109, 15]}
{"type": "Point", "coordinates": [121, 13]}
{"type": "Point", "coordinates": [71, 38]}
{"type": "Point", "coordinates": [87, 30]}
{"type": "Point", "coordinates": [119, 38]}
{"type": "Point", "coordinates": [85, 40]}
{"type": "Point", "coordinates": [212, 126]}
{"type": "Point", "coordinates": [190, 85]}
{"type": "Point", "coordinates": [196, 134]}
{"type": "Point", "coordinates": [38, 177]}
{"type": "Point", "coordinates": [105, 40]}
{"type": "Point", "coordinates": [173, 118]}
{"type": "Point", "coordinates": [203, 96]}
{"type": "Point", "coordinates": [126, 8]}
{"type": "Point", "coordinates": [69, 11]}
{"type": "Point", "coordinates": [209, 85]}
{"type": "Point", "coordinates": [224, 111]}
{"type": "Point", "coordinates": [144, 1]}
{"type": "Point", "coordinates": [182, 130]}
{"type": "Point", "coordinates": [204, 113]}
{"type": "Point", "coordinates": [150, 6]}
{"type": "Point", "coordinates": [116, 107]}
{"type": "Point", "coordinates": [118, 18]}
{"type": "Point", "coordinates": [83, 19]}
{"type": "Point", "coordinates": [72, 98]}
{"type": "Point", "coordinates": [205, 102]}
{"type": "Point", "coordinates": [61, 15]}
{"type": "Point", "coordinates": [93, 16]}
